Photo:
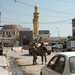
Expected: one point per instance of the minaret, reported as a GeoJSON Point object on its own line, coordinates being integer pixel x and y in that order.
{"type": "Point", "coordinates": [35, 21]}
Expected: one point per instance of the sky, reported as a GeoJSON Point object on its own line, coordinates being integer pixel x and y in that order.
{"type": "Point", "coordinates": [54, 15]}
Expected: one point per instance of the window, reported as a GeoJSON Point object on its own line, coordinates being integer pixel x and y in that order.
{"type": "Point", "coordinates": [13, 32]}
{"type": "Point", "coordinates": [3, 33]}
{"type": "Point", "coordinates": [57, 64]}
{"type": "Point", "coordinates": [44, 32]}
{"type": "Point", "coordinates": [6, 32]}
{"type": "Point", "coordinates": [72, 64]}
{"type": "Point", "coordinates": [52, 62]}
{"type": "Point", "coordinates": [74, 24]}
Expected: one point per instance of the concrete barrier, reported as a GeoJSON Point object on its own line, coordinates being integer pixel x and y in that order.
{"type": "Point", "coordinates": [17, 49]}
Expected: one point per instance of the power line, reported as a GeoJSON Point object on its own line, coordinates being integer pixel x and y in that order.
{"type": "Point", "coordinates": [56, 22]}
{"type": "Point", "coordinates": [56, 15]}
{"type": "Point", "coordinates": [44, 8]}
{"type": "Point", "coordinates": [33, 6]}
{"type": "Point", "coordinates": [11, 12]}
{"type": "Point", "coordinates": [57, 11]}
{"type": "Point", "coordinates": [22, 14]}
{"type": "Point", "coordinates": [66, 1]}
{"type": "Point", "coordinates": [24, 3]}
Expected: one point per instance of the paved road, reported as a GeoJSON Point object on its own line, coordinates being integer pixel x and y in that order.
{"type": "Point", "coordinates": [24, 61]}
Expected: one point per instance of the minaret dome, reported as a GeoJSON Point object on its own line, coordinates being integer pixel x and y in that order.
{"type": "Point", "coordinates": [36, 9]}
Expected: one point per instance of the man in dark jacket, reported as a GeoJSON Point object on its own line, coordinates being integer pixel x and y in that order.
{"type": "Point", "coordinates": [34, 53]}
{"type": "Point", "coordinates": [43, 53]}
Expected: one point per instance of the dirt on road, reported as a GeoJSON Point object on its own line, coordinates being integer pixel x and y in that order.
{"type": "Point", "coordinates": [24, 62]}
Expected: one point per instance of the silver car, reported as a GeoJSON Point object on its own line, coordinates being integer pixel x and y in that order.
{"type": "Point", "coordinates": [60, 64]}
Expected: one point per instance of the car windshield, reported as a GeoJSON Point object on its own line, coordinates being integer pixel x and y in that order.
{"type": "Point", "coordinates": [72, 64]}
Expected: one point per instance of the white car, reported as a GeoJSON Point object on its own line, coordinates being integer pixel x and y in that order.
{"type": "Point", "coordinates": [60, 64]}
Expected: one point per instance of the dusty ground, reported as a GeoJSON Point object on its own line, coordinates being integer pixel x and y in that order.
{"type": "Point", "coordinates": [24, 61]}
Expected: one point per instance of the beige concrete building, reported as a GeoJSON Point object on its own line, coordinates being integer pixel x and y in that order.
{"type": "Point", "coordinates": [10, 33]}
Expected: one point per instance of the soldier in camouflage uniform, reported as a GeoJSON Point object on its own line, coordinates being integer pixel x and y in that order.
{"type": "Point", "coordinates": [43, 53]}
{"type": "Point", "coordinates": [34, 53]}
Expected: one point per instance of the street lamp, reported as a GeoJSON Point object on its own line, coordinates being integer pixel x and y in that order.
{"type": "Point", "coordinates": [0, 15]}
{"type": "Point", "coordinates": [58, 31]}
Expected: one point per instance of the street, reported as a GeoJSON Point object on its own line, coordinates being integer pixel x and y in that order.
{"type": "Point", "coordinates": [24, 61]}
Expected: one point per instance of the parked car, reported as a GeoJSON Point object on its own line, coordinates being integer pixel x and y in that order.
{"type": "Point", "coordinates": [57, 46]}
{"type": "Point", "coordinates": [60, 64]}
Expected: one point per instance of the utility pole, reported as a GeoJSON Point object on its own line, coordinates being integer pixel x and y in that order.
{"type": "Point", "coordinates": [58, 33]}
{"type": "Point", "coordinates": [0, 15]}
{"type": "Point", "coordinates": [0, 18]}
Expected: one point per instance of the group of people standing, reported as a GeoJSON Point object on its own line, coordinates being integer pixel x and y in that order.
{"type": "Point", "coordinates": [42, 50]}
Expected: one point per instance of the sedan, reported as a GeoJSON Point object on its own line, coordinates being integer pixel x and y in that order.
{"type": "Point", "coordinates": [60, 64]}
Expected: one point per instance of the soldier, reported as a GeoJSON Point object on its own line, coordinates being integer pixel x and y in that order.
{"type": "Point", "coordinates": [34, 53]}
{"type": "Point", "coordinates": [43, 53]}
